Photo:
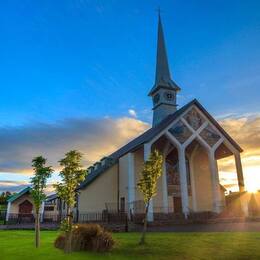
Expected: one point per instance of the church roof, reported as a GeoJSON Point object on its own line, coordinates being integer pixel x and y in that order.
{"type": "Point", "coordinates": [162, 75]}
{"type": "Point", "coordinates": [51, 197]}
{"type": "Point", "coordinates": [19, 194]}
{"type": "Point", "coordinates": [149, 135]}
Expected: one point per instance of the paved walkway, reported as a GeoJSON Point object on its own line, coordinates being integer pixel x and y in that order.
{"type": "Point", "coordinates": [29, 226]}
{"type": "Point", "coordinates": [218, 227]}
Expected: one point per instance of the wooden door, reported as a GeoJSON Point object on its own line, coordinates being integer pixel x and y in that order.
{"type": "Point", "coordinates": [177, 206]}
{"type": "Point", "coordinates": [26, 207]}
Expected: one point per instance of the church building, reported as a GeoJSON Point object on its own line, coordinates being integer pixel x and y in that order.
{"type": "Point", "coordinates": [191, 142]}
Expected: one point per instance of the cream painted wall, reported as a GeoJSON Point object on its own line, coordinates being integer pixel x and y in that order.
{"type": "Point", "coordinates": [202, 180]}
{"type": "Point", "coordinates": [14, 208]}
{"type": "Point", "coordinates": [139, 162]}
{"type": "Point", "coordinates": [102, 190]}
{"type": "Point", "coordinates": [158, 199]}
{"type": "Point", "coordinates": [123, 177]}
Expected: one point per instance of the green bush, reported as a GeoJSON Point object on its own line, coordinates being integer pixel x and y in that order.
{"type": "Point", "coordinates": [88, 237]}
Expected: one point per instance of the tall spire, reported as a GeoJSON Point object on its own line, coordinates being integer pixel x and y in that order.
{"type": "Point", "coordinates": [162, 75]}
{"type": "Point", "coordinates": [164, 91]}
{"type": "Point", "coordinates": [162, 66]}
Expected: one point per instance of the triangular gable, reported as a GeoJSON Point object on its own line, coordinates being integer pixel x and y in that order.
{"type": "Point", "coordinates": [18, 195]}
{"type": "Point", "coordinates": [154, 131]}
{"type": "Point", "coordinates": [217, 125]}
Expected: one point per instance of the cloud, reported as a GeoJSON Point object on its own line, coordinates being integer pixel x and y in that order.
{"type": "Point", "coordinates": [132, 113]}
{"type": "Point", "coordinates": [100, 137]}
{"type": "Point", "coordinates": [94, 137]}
{"type": "Point", "coordinates": [12, 186]}
{"type": "Point", "coordinates": [17, 186]}
{"type": "Point", "coordinates": [245, 130]}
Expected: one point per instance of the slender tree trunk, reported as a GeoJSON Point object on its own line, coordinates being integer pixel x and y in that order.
{"type": "Point", "coordinates": [142, 240]}
{"type": "Point", "coordinates": [37, 229]}
{"type": "Point", "coordinates": [68, 241]}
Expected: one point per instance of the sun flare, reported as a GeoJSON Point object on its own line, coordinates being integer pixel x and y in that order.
{"type": "Point", "coordinates": [252, 187]}
{"type": "Point", "coordinates": [252, 178]}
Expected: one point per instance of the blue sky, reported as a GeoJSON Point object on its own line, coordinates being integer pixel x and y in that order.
{"type": "Point", "coordinates": [63, 60]}
{"type": "Point", "coordinates": [97, 58]}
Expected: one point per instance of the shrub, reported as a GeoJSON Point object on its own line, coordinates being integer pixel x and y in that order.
{"type": "Point", "coordinates": [60, 242]}
{"type": "Point", "coordinates": [88, 237]}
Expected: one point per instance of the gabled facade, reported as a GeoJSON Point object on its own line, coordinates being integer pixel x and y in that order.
{"type": "Point", "coordinates": [21, 204]}
{"type": "Point", "coordinates": [191, 142]}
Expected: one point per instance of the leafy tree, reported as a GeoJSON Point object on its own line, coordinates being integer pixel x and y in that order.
{"type": "Point", "coordinates": [72, 175]}
{"type": "Point", "coordinates": [151, 172]}
{"type": "Point", "coordinates": [4, 197]}
{"type": "Point", "coordinates": [38, 181]}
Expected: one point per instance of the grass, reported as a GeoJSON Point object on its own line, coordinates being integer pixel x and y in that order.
{"type": "Point", "coordinates": [233, 245]}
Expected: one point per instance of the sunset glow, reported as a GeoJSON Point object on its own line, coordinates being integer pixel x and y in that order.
{"type": "Point", "coordinates": [252, 178]}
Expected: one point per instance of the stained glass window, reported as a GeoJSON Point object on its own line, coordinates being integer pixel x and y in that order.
{"type": "Point", "coordinates": [180, 131]}
{"type": "Point", "coordinates": [210, 135]}
{"type": "Point", "coordinates": [194, 119]}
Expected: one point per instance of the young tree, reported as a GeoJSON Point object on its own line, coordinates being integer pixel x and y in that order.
{"type": "Point", "coordinates": [72, 175]}
{"type": "Point", "coordinates": [151, 172]}
{"type": "Point", "coordinates": [38, 181]}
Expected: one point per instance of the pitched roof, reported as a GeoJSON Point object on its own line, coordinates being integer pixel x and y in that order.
{"type": "Point", "coordinates": [19, 194]}
{"type": "Point", "coordinates": [51, 197]}
{"type": "Point", "coordinates": [95, 173]}
{"type": "Point", "coordinates": [149, 135]}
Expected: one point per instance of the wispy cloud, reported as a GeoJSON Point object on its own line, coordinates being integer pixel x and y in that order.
{"type": "Point", "coordinates": [12, 186]}
{"type": "Point", "coordinates": [246, 131]}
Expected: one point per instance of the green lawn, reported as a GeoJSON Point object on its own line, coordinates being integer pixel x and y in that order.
{"type": "Point", "coordinates": [19, 245]}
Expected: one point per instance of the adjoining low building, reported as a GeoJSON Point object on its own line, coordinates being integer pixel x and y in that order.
{"type": "Point", "coordinates": [53, 208]}
{"type": "Point", "coordinates": [242, 204]}
{"type": "Point", "coordinates": [20, 206]}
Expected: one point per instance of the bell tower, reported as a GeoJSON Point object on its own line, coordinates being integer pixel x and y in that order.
{"type": "Point", "coordinates": [165, 90]}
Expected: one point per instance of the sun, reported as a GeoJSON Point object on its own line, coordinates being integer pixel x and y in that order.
{"type": "Point", "coordinates": [252, 179]}
{"type": "Point", "coordinates": [252, 187]}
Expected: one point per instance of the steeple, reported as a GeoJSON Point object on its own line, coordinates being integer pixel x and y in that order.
{"type": "Point", "coordinates": [164, 89]}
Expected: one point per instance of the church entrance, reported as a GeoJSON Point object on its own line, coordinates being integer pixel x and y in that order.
{"type": "Point", "coordinates": [177, 207]}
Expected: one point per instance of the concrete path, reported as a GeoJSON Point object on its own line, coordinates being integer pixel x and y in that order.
{"type": "Point", "coordinates": [218, 227]}
{"type": "Point", "coordinates": [28, 226]}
